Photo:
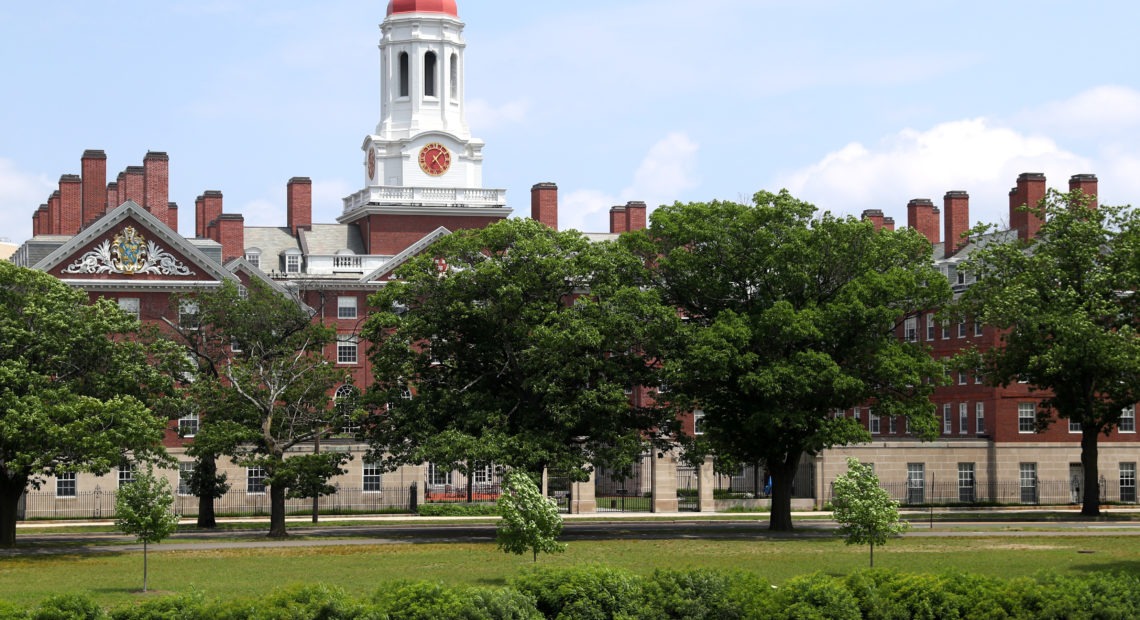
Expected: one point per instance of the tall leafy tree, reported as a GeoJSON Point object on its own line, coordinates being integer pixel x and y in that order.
{"type": "Point", "coordinates": [143, 509]}
{"type": "Point", "coordinates": [271, 387]}
{"type": "Point", "coordinates": [1066, 307]}
{"type": "Point", "coordinates": [791, 316]}
{"type": "Point", "coordinates": [73, 387]}
{"type": "Point", "coordinates": [519, 342]}
{"type": "Point", "coordinates": [529, 521]}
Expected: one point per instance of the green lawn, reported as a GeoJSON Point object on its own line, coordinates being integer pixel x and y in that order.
{"type": "Point", "coordinates": [113, 579]}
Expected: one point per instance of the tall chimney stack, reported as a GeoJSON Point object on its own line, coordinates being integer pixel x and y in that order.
{"type": "Point", "coordinates": [132, 185]}
{"type": "Point", "coordinates": [635, 215]}
{"type": "Point", "coordinates": [875, 216]}
{"type": "Point", "coordinates": [1087, 183]}
{"type": "Point", "coordinates": [923, 217]}
{"type": "Point", "coordinates": [70, 204]}
{"type": "Point", "coordinates": [544, 204]}
{"type": "Point", "coordinates": [93, 167]}
{"type": "Point", "coordinates": [1030, 191]}
{"type": "Point", "coordinates": [956, 221]}
{"type": "Point", "coordinates": [156, 186]}
{"type": "Point", "coordinates": [299, 204]}
{"type": "Point", "coordinates": [618, 220]}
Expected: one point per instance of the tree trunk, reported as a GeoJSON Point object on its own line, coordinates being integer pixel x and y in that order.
{"type": "Point", "coordinates": [872, 555]}
{"type": "Point", "coordinates": [10, 491]}
{"type": "Point", "coordinates": [144, 566]}
{"type": "Point", "coordinates": [1090, 506]}
{"type": "Point", "coordinates": [277, 512]}
{"type": "Point", "coordinates": [208, 472]}
{"type": "Point", "coordinates": [782, 475]}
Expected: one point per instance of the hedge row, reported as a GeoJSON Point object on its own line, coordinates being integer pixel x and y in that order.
{"type": "Point", "coordinates": [602, 593]}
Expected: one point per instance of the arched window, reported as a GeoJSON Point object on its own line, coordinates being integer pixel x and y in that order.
{"type": "Point", "coordinates": [345, 401]}
{"type": "Point", "coordinates": [429, 74]}
{"type": "Point", "coordinates": [454, 77]}
{"type": "Point", "coordinates": [403, 74]}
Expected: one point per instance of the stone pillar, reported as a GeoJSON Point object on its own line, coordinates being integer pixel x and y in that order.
{"type": "Point", "coordinates": [545, 482]}
{"type": "Point", "coordinates": [582, 499]}
{"type": "Point", "coordinates": [414, 474]}
{"type": "Point", "coordinates": [664, 481]}
{"type": "Point", "coordinates": [706, 482]}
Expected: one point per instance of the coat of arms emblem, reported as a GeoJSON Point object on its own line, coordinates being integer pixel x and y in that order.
{"type": "Point", "coordinates": [129, 251]}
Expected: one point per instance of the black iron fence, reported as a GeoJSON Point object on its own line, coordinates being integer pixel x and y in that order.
{"type": "Point", "coordinates": [1027, 491]}
{"type": "Point", "coordinates": [752, 481]}
{"type": "Point", "coordinates": [100, 504]}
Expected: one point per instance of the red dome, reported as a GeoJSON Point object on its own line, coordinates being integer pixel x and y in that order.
{"type": "Point", "coordinates": [423, 6]}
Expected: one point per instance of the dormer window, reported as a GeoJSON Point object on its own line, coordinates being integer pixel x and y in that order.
{"type": "Point", "coordinates": [292, 260]}
{"type": "Point", "coordinates": [253, 257]}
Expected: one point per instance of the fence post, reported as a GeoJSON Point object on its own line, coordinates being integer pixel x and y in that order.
{"type": "Point", "coordinates": [413, 504]}
{"type": "Point", "coordinates": [98, 510]}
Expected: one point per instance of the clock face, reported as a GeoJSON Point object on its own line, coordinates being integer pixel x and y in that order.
{"type": "Point", "coordinates": [371, 164]}
{"type": "Point", "coordinates": [435, 159]}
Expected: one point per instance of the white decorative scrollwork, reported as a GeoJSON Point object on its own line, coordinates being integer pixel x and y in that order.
{"type": "Point", "coordinates": [129, 253]}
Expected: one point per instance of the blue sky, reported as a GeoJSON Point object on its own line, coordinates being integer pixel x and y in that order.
{"type": "Point", "coordinates": [850, 105]}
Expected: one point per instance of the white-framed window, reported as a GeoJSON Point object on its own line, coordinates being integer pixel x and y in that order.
{"type": "Point", "coordinates": [980, 417]}
{"type": "Point", "coordinates": [437, 476]}
{"type": "Point", "coordinates": [858, 414]}
{"type": "Point", "coordinates": [947, 421]}
{"type": "Point", "coordinates": [962, 329]}
{"type": "Point", "coordinates": [255, 480]}
{"type": "Point", "coordinates": [963, 418]}
{"type": "Point", "coordinates": [66, 484]}
{"type": "Point", "coordinates": [1127, 422]}
{"type": "Point", "coordinates": [979, 329]}
{"type": "Point", "coordinates": [1027, 473]}
{"type": "Point", "coordinates": [946, 329]}
{"type": "Point", "coordinates": [126, 473]}
{"type": "Point", "coordinates": [963, 377]}
{"type": "Point", "coordinates": [345, 400]}
{"type": "Point", "coordinates": [185, 470]}
{"type": "Point", "coordinates": [978, 376]}
{"type": "Point", "coordinates": [930, 327]}
{"type": "Point", "coordinates": [1074, 427]}
{"type": "Point", "coordinates": [188, 314]}
{"type": "Point", "coordinates": [483, 476]}
{"type": "Point", "coordinates": [1128, 482]}
{"type": "Point", "coordinates": [253, 258]}
{"type": "Point", "coordinates": [910, 328]}
{"type": "Point", "coordinates": [873, 422]}
{"type": "Point", "coordinates": [346, 307]}
{"type": "Point", "coordinates": [188, 424]}
{"type": "Point", "coordinates": [699, 422]}
{"type": "Point", "coordinates": [892, 424]}
{"type": "Point", "coordinates": [292, 263]}
{"type": "Point", "coordinates": [915, 483]}
{"type": "Point", "coordinates": [1026, 417]}
{"type": "Point", "coordinates": [967, 482]}
{"type": "Point", "coordinates": [130, 305]}
{"type": "Point", "coordinates": [373, 478]}
{"type": "Point", "coordinates": [346, 350]}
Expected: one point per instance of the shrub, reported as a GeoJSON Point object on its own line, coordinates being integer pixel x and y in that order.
{"type": "Point", "coordinates": [449, 509]}
{"type": "Point", "coordinates": [181, 607]}
{"type": "Point", "coordinates": [8, 611]}
{"type": "Point", "coordinates": [704, 594]}
{"type": "Point", "coordinates": [583, 593]}
{"type": "Point", "coordinates": [68, 607]}
{"type": "Point", "coordinates": [431, 601]}
{"type": "Point", "coordinates": [813, 597]}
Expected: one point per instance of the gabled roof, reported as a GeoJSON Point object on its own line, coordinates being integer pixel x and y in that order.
{"type": "Point", "coordinates": [207, 268]}
{"type": "Point", "coordinates": [243, 266]}
{"type": "Point", "coordinates": [387, 268]}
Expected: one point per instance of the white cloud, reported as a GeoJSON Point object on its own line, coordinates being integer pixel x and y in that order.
{"type": "Point", "coordinates": [666, 171]}
{"type": "Point", "coordinates": [971, 155]}
{"type": "Point", "coordinates": [21, 193]}
{"type": "Point", "coordinates": [484, 116]}
{"type": "Point", "coordinates": [1100, 111]}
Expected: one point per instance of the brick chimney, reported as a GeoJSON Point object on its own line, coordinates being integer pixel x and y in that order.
{"type": "Point", "coordinates": [172, 215]}
{"type": "Point", "coordinates": [93, 167]}
{"type": "Point", "coordinates": [635, 215]}
{"type": "Point", "coordinates": [40, 221]}
{"type": "Point", "coordinates": [875, 216]}
{"type": "Point", "coordinates": [299, 204]}
{"type": "Point", "coordinates": [156, 185]}
{"type": "Point", "coordinates": [956, 205]}
{"type": "Point", "coordinates": [923, 217]}
{"type": "Point", "coordinates": [889, 223]}
{"type": "Point", "coordinates": [53, 213]}
{"type": "Point", "coordinates": [113, 201]}
{"type": "Point", "coordinates": [132, 185]}
{"type": "Point", "coordinates": [70, 204]}
{"type": "Point", "coordinates": [211, 210]}
{"type": "Point", "coordinates": [199, 217]}
{"type": "Point", "coordinates": [1030, 191]}
{"type": "Point", "coordinates": [230, 229]}
{"type": "Point", "coordinates": [544, 204]}
{"type": "Point", "coordinates": [617, 220]}
{"type": "Point", "coordinates": [1087, 183]}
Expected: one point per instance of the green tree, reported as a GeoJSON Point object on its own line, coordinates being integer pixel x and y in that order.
{"type": "Point", "coordinates": [143, 510]}
{"type": "Point", "coordinates": [865, 511]}
{"type": "Point", "coordinates": [529, 520]}
{"type": "Point", "coordinates": [1067, 312]}
{"type": "Point", "coordinates": [270, 390]}
{"type": "Point", "coordinates": [522, 349]}
{"type": "Point", "coordinates": [791, 316]}
{"type": "Point", "coordinates": [73, 387]}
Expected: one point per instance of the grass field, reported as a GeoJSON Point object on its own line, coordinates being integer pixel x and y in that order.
{"type": "Point", "coordinates": [113, 579]}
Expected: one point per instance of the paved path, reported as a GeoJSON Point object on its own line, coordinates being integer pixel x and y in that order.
{"type": "Point", "coordinates": [34, 539]}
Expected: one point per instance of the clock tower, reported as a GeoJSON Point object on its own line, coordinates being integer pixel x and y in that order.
{"type": "Point", "coordinates": [421, 160]}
